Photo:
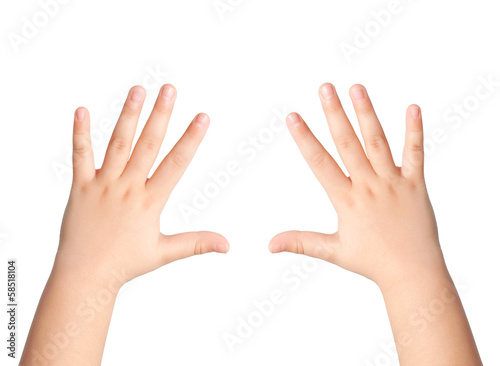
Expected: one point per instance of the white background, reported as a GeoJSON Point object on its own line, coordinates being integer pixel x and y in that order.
{"type": "Point", "coordinates": [238, 68]}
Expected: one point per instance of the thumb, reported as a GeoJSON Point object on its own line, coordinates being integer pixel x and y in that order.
{"type": "Point", "coordinates": [178, 246]}
{"type": "Point", "coordinates": [318, 245]}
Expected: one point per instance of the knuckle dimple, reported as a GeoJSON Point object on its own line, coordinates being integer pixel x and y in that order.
{"type": "Point", "coordinates": [197, 248]}
{"type": "Point", "coordinates": [348, 200]}
{"type": "Point", "coordinates": [119, 143]}
{"type": "Point", "coordinates": [376, 141]}
{"type": "Point", "coordinates": [299, 247]}
{"type": "Point", "coordinates": [416, 148]}
{"type": "Point", "coordinates": [81, 148]}
{"type": "Point", "coordinates": [369, 193]}
{"type": "Point", "coordinates": [178, 161]}
{"type": "Point", "coordinates": [318, 160]}
{"type": "Point", "coordinates": [345, 143]}
{"type": "Point", "coordinates": [150, 143]}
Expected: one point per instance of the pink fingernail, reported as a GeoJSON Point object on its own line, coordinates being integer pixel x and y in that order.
{"type": "Point", "coordinates": [278, 247]}
{"type": "Point", "coordinates": [327, 91]}
{"type": "Point", "coordinates": [168, 92]}
{"type": "Point", "coordinates": [293, 118]}
{"type": "Point", "coordinates": [136, 96]}
{"type": "Point", "coordinates": [220, 247]}
{"type": "Point", "coordinates": [202, 119]}
{"type": "Point", "coordinates": [358, 93]}
{"type": "Point", "coordinates": [79, 115]}
{"type": "Point", "coordinates": [415, 112]}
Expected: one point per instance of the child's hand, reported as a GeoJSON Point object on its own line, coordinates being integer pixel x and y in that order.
{"type": "Point", "coordinates": [386, 228]}
{"type": "Point", "coordinates": [111, 231]}
{"type": "Point", "coordinates": [112, 221]}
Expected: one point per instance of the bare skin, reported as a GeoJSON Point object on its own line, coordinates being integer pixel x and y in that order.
{"type": "Point", "coordinates": [386, 230]}
{"type": "Point", "coordinates": [111, 231]}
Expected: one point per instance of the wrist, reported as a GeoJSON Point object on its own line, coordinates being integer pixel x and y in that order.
{"type": "Point", "coordinates": [417, 280]}
{"type": "Point", "coordinates": [92, 277]}
{"type": "Point", "coordinates": [413, 273]}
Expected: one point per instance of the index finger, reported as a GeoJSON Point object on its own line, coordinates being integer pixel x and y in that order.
{"type": "Point", "coordinates": [324, 167]}
{"type": "Point", "coordinates": [149, 143]}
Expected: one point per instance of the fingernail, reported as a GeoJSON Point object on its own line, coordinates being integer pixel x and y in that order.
{"type": "Point", "coordinates": [327, 91]}
{"type": "Point", "coordinates": [278, 247]}
{"type": "Point", "coordinates": [137, 96]}
{"type": "Point", "coordinates": [415, 112]}
{"type": "Point", "coordinates": [358, 93]}
{"type": "Point", "coordinates": [168, 92]}
{"type": "Point", "coordinates": [202, 119]}
{"type": "Point", "coordinates": [79, 115]}
{"type": "Point", "coordinates": [220, 247]}
{"type": "Point", "coordinates": [293, 118]}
